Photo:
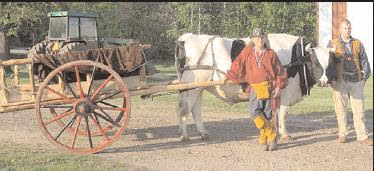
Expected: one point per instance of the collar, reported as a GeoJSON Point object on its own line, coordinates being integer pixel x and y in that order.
{"type": "Point", "coordinates": [342, 41]}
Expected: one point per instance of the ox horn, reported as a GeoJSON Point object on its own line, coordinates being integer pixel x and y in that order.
{"type": "Point", "coordinates": [308, 47]}
{"type": "Point", "coordinates": [333, 49]}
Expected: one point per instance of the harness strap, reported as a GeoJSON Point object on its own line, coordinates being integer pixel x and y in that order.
{"type": "Point", "coordinates": [206, 46]}
{"type": "Point", "coordinates": [214, 61]}
{"type": "Point", "coordinates": [302, 54]}
{"type": "Point", "coordinates": [195, 67]}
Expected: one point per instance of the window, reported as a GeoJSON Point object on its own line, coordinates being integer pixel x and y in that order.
{"type": "Point", "coordinates": [73, 28]}
{"type": "Point", "coordinates": [57, 28]}
{"type": "Point", "coordinates": [88, 29]}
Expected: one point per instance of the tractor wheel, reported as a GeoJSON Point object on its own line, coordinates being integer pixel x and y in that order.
{"type": "Point", "coordinates": [84, 119]}
{"type": "Point", "coordinates": [38, 48]}
{"type": "Point", "coordinates": [40, 70]}
{"type": "Point", "coordinates": [70, 47]}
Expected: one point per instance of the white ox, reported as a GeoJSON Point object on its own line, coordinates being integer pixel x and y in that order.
{"type": "Point", "coordinates": [206, 57]}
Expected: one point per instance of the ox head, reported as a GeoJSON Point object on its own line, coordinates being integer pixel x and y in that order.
{"type": "Point", "coordinates": [322, 64]}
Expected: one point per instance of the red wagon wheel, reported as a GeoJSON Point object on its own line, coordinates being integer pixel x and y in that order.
{"type": "Point", "coordinates": [85, 119]}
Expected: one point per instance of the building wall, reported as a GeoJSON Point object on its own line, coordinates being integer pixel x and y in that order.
{"type": "Point", "coordinates": [360, 14]}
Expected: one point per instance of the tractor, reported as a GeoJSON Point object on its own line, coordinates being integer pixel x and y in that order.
{"type": "Point", "coordinates": [68, 30]}
{"type": "Point", "coordinates": [71, 31]}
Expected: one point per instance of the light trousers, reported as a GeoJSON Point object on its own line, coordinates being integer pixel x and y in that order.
{"type": "Point", "coordinates": [353, 92]}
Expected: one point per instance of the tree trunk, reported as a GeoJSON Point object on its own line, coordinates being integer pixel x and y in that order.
{"type": "Point", "coordinates": [4, 48]}
{"type": "Point", "coordinates": [199, 20]}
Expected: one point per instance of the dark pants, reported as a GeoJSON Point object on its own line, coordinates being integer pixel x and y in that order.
{"type": "Point", "coordinates": [256, 107]}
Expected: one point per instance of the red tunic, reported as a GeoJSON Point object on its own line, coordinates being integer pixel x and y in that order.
{"type": "Point", "coordinates": [244, 68]}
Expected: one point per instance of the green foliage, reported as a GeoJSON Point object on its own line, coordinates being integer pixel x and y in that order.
{"type": "Point", "coordinates": [21, 19]}
{"type": "Point", "coordinates": [161, 23]}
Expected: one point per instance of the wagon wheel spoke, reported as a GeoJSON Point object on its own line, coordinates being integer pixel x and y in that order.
{"type": "Point", "coordinates": [81, 93]}
{"type": "Point", "coordinates": [100, 128]}
{"type": "Point", "coordinates": [67, 85]}
{"type": "Point", "coordinates": [119, 117]}
{"type": "Point", "coordinates": [54, 113]}
{"type": "Point", "coordinates": [60, 117]}
{"type": "Point", "coordinates": [97, 119]}
{"type": "Point", "coordinates": [92, 78]}
{"type": "Point", "coordinates": [71, 122]}
{"type": "Point", "coordinates": [108, 104]}
{"type": "Point", "coordinates": [59, 94]}
{"type": "Point", "coordinates": [111, 108]}
{"type": "Point", "coordinates": [56, 106]}
{"type": "Point", "coordinates": [89, 132]}
{"type": "Point", "coordinates": [101, 87]}
{"type": "Point", "coordinates": [108, 96]}
{"type": "Point", "coordinates": [76, 131]}
{"type": "Point", "coordinates": [107, 118]}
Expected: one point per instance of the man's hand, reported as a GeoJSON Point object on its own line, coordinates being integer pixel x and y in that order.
{"type": "Point", "coordinates": [276, 92]}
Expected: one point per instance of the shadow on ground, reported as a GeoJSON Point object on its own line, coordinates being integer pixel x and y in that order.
{"type": "Point", "coordinates": [309, 127]}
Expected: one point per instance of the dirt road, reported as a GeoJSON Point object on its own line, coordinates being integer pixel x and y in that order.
{"type": "Point", "coordinates": [151, 142]}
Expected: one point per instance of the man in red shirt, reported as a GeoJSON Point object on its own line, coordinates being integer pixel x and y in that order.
{"type": "Point", "coordinates": [260, 67]}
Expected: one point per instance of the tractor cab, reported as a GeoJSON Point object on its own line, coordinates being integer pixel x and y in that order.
{"type": "Point", "coordinates": [74, 28]}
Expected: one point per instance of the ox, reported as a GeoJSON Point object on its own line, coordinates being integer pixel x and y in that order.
{"type": "Point", "coordinates": [206, 57]}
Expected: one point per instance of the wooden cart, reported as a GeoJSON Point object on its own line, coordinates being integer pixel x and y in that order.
{"type": "Point", "coordinates": [79, 117]}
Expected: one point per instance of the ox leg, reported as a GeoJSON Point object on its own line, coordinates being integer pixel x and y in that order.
{"type": "Point", "coordinates": [284, 136]}
{"type": "Point", "coordinates": [196, 113]}
{"type": "Point", "coordinates": [186, 100]}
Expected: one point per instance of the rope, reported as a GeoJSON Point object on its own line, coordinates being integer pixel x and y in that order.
{"type": "Point", "coordinates": [302, 54]}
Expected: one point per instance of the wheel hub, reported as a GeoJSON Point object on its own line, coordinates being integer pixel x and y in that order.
{"type": "Point", "coordinates": [84, 107]}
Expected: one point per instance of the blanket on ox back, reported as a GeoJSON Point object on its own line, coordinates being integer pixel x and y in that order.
{"type": "Point", "coordinates": [122, 59]}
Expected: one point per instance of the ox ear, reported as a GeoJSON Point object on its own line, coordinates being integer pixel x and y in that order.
{"type": "Point", "coordinates": [308, 47]}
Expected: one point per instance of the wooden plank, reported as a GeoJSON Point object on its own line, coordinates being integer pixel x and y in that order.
{"type": "Point", "coordinates": [24, 93]}
{"type": "Point", "coordinates": [26, 105]}
{"type": "Point", "coordinates": [16, 75]}
{"type": "Point", "coordinates": [32, 80]}
{"type": "Point", "coordinates": [3, 85]}
{"type": "Point", "coordinates": [175, 87]}
{"type": "Point", "coordinates": [11, 62]}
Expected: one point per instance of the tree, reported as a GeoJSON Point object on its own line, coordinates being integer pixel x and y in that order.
{"type": "Point", "coordinates": [21, 19]}
{"type": "Point", "coordinates": [161, 23]}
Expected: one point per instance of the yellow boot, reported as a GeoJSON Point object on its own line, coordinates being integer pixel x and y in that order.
{"type": "Point", "coordinates": [262, 137]}
{"type": "Point", "coordinates": [262, 140]}
{"type": "Point", "coordinates": [261, 123]}
{"type": "Point", "coordinates": [271, 135]}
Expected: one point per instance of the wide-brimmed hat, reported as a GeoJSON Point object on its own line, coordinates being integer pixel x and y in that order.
{"type": "Point", "coordinates": [258, 32]}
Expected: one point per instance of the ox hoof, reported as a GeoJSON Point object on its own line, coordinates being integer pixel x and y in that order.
{"type": "Point", "coordinates": [185, 139]}
{"type": "Point", "coordinates": [286, 139]}
{"type": "Point", "coordinates": [205, 136]}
